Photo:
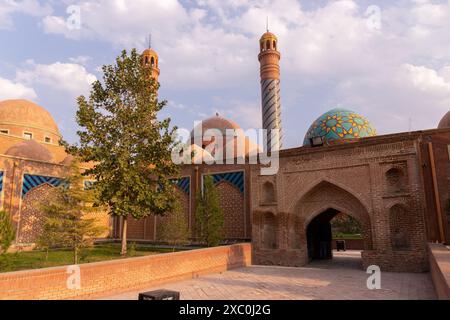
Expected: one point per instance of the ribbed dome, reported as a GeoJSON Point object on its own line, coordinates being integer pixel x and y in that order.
{"type": "Point", "coordinates": [445, 121]}
{"type": "Point", "coordinates": [30, 150]}
{"type": "Point", "coordinates": [339, 125]}
{"type": "Point", "coordinates": [27, 114]}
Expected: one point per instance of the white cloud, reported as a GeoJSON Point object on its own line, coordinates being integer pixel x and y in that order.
{"type": "Point", "coordinates": [83, 60]}
{"type": "Point", "coordinates": [15, 90]}
{"type": "Point", "coordinates": [68, 77]}
{"type": "Point", "coordinates": [427, 80]}
{"type": "Point", "coordinates": [29, 7]}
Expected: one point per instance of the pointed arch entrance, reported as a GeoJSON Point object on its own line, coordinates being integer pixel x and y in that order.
{"type": "Point", "coordinates": [317, 208]}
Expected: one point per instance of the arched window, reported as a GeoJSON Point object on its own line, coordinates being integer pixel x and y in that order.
{"type": "Point", "coordinates": [268, 44]}
{"type": "Point", "coordinates": [146, 61]}
{"type": "Point", "coordinates": [269, 231]}
{"type": "Point", "coordinates": [152, 62]}
{"type": "Point", "coordinates": [268, 193]}
{"type": "Point", "coordinates": [396, 180]}
{"type": "Point", "coordinates": [274, 45]}
{"type": "Point", "coordinates": [261, 45]}
{"type": "Point", "coordinates": [399, 223]}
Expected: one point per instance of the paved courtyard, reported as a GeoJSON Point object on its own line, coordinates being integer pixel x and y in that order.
{"type": "Point", "coordinates": [341, 278]}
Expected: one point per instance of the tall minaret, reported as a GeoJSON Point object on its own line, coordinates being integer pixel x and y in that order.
{"type": "Point", "coordinates": [150, 59]}
{"type": "Point", "coordinates": [269, 58]}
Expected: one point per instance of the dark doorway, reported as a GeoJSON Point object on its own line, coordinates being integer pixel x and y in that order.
{"type": "Point", "coordinates": [319, 236]}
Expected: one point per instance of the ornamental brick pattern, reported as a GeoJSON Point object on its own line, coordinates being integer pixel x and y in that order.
{"type": "Point", "coordinates": [232, 204]}
{"type": "Point", "coordinates": [379, 181]}
{"type": "Point", "coordinates": [31, 218]}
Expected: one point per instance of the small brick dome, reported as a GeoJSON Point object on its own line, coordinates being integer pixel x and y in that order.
{"type": "Point", "coordinates": [445, 121]}
{"type": "Point", "coordinates": [30, 150]}
{"type": "Point", "coordinates": [216, 122]}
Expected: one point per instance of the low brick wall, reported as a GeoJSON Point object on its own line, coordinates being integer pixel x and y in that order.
{"type": "Point", "coordinates": [439, 256]}
{"type": "Point", "coordinates": [109, 277]}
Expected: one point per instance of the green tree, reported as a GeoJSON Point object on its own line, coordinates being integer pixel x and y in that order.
{"type": "Point", "coordinates": [129, 147]}
{"type": "Point", "coordinates": [174, 228]}
{"type": "Point", "coordinates": [66, 215]}
{"type": "Point", "coordinates": [7, 233]}
{"type": "Point", "coordinates": [209, 214]}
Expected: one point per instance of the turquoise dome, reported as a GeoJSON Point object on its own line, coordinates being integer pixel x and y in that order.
{"type": "Point", "coordinates": [339, 125]}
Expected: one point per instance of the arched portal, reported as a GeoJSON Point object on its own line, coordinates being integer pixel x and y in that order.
{"type": "Point", "coordinates": [318, 207]}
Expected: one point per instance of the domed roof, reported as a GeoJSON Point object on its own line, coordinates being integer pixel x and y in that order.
{"type": "Point", "coordinates": [339, 125]}
{"type": "Point", "coordinates": [149, 51]}
{"type": "Point", "coordinates": [215, 122]}
{"type": "Point", "coordinates": [268, 36]}
{"type": "Point", "coordinates": [30, 149]}
{"type": "Point", "coordinates": [27, 114]}
{"type": "Point", "coordinates": [445, 121]}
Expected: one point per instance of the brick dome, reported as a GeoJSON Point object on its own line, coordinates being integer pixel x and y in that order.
{"type": "Point", "coordinates": [445, 121]}
{"type": "Point", "coordinates": [30, 149]}
{"type": "Point", "coordinates": [23, 116]}
{"type": "Point", "coordinates": [215, 122]}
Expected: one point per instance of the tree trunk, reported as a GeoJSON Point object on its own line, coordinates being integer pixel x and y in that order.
{"type": "Point", "coordinates": [75, 255]}
{"type": "Point", "coordinates": [124, 236]}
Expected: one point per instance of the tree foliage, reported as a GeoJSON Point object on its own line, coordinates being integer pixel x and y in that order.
{"type": "Point", "coordinates": [7, 233]}
{"type": "Point", "coordinates": [67, 221]}
{"type": "Point", "coordinates": [130, 148]}
{"type": "Point", "coordinates": [174, 228]}
{"type": "Point", "coordinates": [346, 224]}
{"type": "Point", "coordinates": [209, 214]}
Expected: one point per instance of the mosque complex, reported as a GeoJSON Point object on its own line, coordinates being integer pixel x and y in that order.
{"type": "Point", "coordinates": [397, 186]}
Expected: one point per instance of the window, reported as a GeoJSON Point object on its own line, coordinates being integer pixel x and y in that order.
{"type": "Point", "coordinates": [274, 45]}
{"type": "Point", "coordinates": [4, 131]}
{"type": "Point", "coordinates": [396, 180]}
{"type": "Point", "coordinates": [268, 45]}
{"type": "Point", "coordinates": [268, 193]}
{"type": "Point", "coordinates": [48, 140]}
{"type": "Point", "coordinates": [152, 61]}
{"type": "Point", "coordinates": [28, 135]}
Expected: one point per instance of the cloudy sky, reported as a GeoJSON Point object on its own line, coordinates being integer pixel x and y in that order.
{"type": "Point", "coordinates": [388, 60]}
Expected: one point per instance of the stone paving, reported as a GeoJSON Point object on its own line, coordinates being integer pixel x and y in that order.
{"type": "Point", "coordinates": [341, 278]}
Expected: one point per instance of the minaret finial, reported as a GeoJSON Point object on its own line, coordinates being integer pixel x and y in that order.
{"type": "Point", "coordinates": [267, 24]}
{"type": "Point", "coordinates": [149, 40]}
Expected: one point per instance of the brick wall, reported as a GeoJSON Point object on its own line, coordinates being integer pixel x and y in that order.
{"type": "Point", "coordinates": [109, 277]}
{"type": "Point", "coordinates": [439, 257]}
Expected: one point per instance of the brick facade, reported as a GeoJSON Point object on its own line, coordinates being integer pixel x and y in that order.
{"type": "Point", "coordinates": [379, 181]}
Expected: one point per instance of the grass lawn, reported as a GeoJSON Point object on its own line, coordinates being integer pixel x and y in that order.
{"type": "Point", "coordinates": [349, 236]}
{"type": "Point", "coordinates": [36, 259]}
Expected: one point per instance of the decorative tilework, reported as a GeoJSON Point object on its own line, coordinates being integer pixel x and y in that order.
{"type": "Point", "coordinates": [32, 181]}
{"type": "Point", "coordinates": [1, 181]}
{"type": "Point", "coordinates": [235, 178]}
{"type": "Point", "coordinates": [339, 124]}
{"type": "Point", "coordinates": [184, 184]}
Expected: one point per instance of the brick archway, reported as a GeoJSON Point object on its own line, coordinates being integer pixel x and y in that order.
{"type": "Point", "coordinates": [326, 196]}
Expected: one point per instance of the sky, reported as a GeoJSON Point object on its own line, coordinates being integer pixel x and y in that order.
{"type": "Point", "coordinates": [387, 60]}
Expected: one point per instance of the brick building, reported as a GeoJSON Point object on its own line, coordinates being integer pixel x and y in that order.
{"type": "Point", "coordinates": [397, 186]}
